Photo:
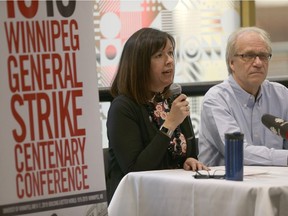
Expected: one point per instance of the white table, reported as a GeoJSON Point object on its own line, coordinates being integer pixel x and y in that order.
{"type": "Point", "coordinates": [178, 193]}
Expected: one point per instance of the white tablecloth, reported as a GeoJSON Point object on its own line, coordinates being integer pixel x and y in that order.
{"type": "Point", "coordinates": [264, 192]}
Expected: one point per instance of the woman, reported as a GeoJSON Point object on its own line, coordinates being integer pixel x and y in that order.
{"type": "Point", "coordinates": [144, 117]}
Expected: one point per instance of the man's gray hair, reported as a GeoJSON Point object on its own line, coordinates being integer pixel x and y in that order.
{"type": "Point", "coordinates": [232, 40]}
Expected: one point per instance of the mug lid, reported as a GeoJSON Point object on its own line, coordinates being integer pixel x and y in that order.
{"type": "Point", "coordinates": [235, 135]}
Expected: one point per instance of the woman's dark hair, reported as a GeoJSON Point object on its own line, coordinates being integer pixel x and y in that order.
{"type": "Point", "coordinates": [133, 73]}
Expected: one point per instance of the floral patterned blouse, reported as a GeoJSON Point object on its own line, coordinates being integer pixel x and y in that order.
{"type": "Point", "coordinates": [177, 147]}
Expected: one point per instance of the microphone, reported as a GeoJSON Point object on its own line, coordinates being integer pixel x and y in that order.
{"type": "Point", "coordinates": [275, 124]}
{"type": "Point", "coordinates": [186, 126]}
{"type": "Point", "coordinates": [175, 90]}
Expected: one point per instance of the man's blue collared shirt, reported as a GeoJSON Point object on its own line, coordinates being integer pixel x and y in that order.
{"type": "Point", "coordinates": [227, 108]}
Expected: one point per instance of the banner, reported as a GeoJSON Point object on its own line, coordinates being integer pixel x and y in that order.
{"type": "Point", "coordinates": [51, 158]}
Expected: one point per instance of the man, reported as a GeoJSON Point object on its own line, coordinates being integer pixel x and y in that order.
{"type": "Point", "coordinates": [238, 103]}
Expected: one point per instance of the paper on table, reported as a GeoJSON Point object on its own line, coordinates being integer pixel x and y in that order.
{"type": "Point", "coordinates": [249, 171]}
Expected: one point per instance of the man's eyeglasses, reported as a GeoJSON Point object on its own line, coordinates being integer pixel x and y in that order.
{"type": "Point", "coordinates": [206, 175]}
{"type": "Point", "coordinates": [250, 57]}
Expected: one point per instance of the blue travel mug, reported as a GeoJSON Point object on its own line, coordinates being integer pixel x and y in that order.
{"type": "Point", "coordinates": [234, 156]}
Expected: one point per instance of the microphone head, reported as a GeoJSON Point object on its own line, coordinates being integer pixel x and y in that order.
{"type": "Point", "coordinates": [175, 89]}
{"type": "Point", "coordinates": [276, 125]}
